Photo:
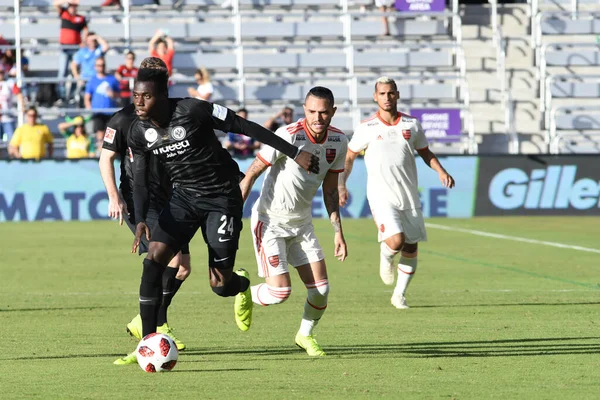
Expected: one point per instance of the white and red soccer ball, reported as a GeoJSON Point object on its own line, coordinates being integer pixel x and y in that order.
{"type": "Point", "coordinates": [157, 353]}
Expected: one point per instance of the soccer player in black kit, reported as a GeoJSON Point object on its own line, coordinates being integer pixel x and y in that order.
{"type": "Point", "coordinates": [206, 193]}
{"type": "Point", "coordinates": [121, 201]}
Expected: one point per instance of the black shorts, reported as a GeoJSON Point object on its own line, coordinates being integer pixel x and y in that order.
{"type": "Point", "coordinates": [152, 222]}
{"type": "Point", "coordinates": [100, 121]}
{"type": "Point", "coordinates": [219, 217]}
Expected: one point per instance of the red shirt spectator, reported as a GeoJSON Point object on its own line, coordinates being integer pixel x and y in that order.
{"type": "Point", "coordinates": [163, 47]}
{"type": "Point", "coordinates": [71, 23]}
{"type": "Point", "coordinates": [126, 71]}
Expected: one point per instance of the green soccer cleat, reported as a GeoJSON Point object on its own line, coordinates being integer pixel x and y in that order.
{"type": "Point", "coordinates": [166, 329]}
{"type": "Point", "coordinates": [130, 358]}
{"type": "Point", "coordinates": [243, 305]}
{"type": "Point", "coordinates": [134, 328]}
{"type": "Point", "coordinates": [309, 344]}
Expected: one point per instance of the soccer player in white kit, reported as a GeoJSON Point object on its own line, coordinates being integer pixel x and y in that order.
{"type": "Point", "coordinates": [282, 228]}
{"type": "Point", "coordinates": [389, 139]}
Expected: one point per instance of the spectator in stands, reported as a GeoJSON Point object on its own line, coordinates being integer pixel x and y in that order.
{"type": "Point", "coordinates": [8, 60]}
{"type": "Point", "coordinates": [163, 47]}
{"type": "Point", "coordinates": [73, 28]}
{"type": "Point", "coordinates": [79, 144]}
{"type": "Point", "coordinates": [123, 74]}
{"type": "Point", "coordinates": [31, 139]}
{"type": "Point", "coordinates": [111, 3]}
{"type": "Point", "coordinates": [101, 92]}
{"type": "Point", "coordinates": [84, 61]}
{"type": "Point", "coordinates": [9, 91]}
{"type": "Point", "coordinates": [26, 89]}
{"type": "Point", "coordinates": [385, 6]}
{"type": "Point", "coordinates": [205, 89]}
{"type": "Point", "coordinates": [240, 145]}
{"type": "Point", "coordinates": [282, 118]}
{"type": "Point", "coordinates": [3, 42]}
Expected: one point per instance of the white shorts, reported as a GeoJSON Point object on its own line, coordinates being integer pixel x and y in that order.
{"type": "Point", "coordinates": [276, 246]}
{"type": "Point", "coordinates": [385, 3]}
{"type": "Point", "coordinates": [391, 221]}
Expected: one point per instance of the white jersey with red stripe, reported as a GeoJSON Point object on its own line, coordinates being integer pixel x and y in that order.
{"type": "Point", "coordinates": [288, 190]}
{"type": "Point", "coordinates": [390, 159]}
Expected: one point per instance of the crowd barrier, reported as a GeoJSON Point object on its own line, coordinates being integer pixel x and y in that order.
{"type": "Point", "coordinates": [499, 185]}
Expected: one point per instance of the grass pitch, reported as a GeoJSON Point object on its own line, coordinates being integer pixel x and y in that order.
{"type": "Point", "coordinates": [490, 318]}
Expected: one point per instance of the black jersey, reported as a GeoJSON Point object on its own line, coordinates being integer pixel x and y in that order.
{"type": "Point", "coordinates": [115, 139]}
{"type": "Point", "coordinates": [190, 151]}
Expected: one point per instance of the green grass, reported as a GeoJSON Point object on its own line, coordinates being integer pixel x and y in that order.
{"type": "Point", "coordinates": [490, 318]}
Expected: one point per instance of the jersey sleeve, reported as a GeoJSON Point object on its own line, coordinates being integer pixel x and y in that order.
{"type": "Point", "coordinates": [114, 135]}
{"type": "Point", "coordinates": [268, 154]}
{"type": "Point", "coordinates": [226, 120]}
{"type": "Point", "coordinates": [340, 158]}
{"type": "Point", "coordinates": [359, 141]}
{"type": "Point", "coordinates": [421, 141]}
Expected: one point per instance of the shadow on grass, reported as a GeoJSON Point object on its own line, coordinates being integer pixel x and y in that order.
{"type": "Point", "coordinates": [591, 303]}
{"type": "Point", "coordinates": [54, 309]}
{"type": "Point", "coordinates": [215, 370]}
{"type": "Point", "coordinates": [489, 348]}
{"type": "Point", "coordinates": [476, 349]}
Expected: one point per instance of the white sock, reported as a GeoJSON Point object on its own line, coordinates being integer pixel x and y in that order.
{"type": "Point", "coordinates": [406, 270]}
{"type": "Point", "coordinates": [386, 254]}
{"type": "Point", "coordinates": [315, 305]}
{"type": "Point", "coordinates": [265, 295]}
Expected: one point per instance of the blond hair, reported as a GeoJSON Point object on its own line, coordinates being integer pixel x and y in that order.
{"type": "Point", "coordinates": [385, 80]}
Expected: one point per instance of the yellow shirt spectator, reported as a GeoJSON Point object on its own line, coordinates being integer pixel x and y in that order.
{"type": "Point", "coordinates": [31, 140]}
{"type": "Point", "coordinates": [78, 146]}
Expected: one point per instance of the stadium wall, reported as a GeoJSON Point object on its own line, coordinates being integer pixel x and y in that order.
{"type": "Point", "coordinates": [498, 185]}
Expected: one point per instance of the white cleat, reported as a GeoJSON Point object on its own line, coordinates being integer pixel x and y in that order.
{"type": "Point", "coordinates": [386, 272]}
{"type": "Point", "coordinates": [399, 302]}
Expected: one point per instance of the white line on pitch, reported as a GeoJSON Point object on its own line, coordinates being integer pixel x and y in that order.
{"type": "Point", "coordinates": [514, 238]}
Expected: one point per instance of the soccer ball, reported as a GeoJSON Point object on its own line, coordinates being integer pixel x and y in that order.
{"type": "Point", "coordinates": [156, 353]}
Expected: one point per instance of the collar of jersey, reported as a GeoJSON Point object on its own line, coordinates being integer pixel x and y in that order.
{"type": "Point", "coordinates": [310, 137]}
{"type": "Point", "coordinates": [385, 123]}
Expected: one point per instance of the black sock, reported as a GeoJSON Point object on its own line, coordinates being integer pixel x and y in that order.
{"type": "Point", "coordinates": [170, 286]}
{"type": "Point", "coordinates": [236, 285]}
{"type": "Point", "coordinates": [150, 295]}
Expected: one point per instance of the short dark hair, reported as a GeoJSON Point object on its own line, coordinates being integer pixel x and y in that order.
{"type": "Point", "coordinates": [242, 110]}
{"type": "Point", "coordinates": [130, 52]}
{"type": "Point", "coordinates": [31, 108]}
{"type": "Point", "coordinates": [159, 77]}
{"type": "Point", "coordinates": [321, 92]}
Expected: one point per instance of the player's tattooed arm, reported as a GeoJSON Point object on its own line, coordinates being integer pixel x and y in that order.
{"type": "Point", "coordinates": [254, 171]}
{"type": "Point", "coordinates": [331, 198]}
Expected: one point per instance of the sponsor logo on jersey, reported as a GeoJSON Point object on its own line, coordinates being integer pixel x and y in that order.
{"type": "Point", "coordinates": [151, 135]}
{"type": "Point", "coordinates": [406, 133]}
{"type": "Point", "coordinates": [109, 135]}
{"type": "Point", "coordinates": [392, 134]}
{"type": "Point", "coordinates": [300, 137]}
{"type": "Point", "coordinates": [274, 261]}
{"type": "Point", "coordinates": [173, 149]}
{"type": "Point", "coordinates": [407, 119]}
{"type": "Point", "coordinates": [330, 155]}
{"type": "Point", "coordinates": [178, 133]}
{"type": "Point", "coordinates": [219, 112]}
{"type": "Point", "coordinates": [334, 139]}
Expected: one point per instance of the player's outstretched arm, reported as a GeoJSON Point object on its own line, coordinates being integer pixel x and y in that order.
{"type": "Point", "coordinates": [117, 208]}
{"type": "Point", "coordinates": [331, 199]}
{"type": "Point", "coordinates": [432, 161]}
{"type": "Point", "coordinates": [254, 171]}
{"type": "Point", "coordinates": [343, 177]}
{"type": "Point", "coordinates": [306, 160]}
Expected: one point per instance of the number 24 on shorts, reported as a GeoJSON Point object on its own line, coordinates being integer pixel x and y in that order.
{"type": "Point", "coordinates": [226, 227]}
